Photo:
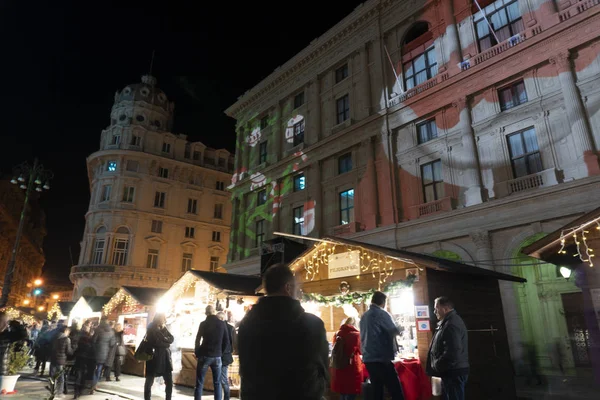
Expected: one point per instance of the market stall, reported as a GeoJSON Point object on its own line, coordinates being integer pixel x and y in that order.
{"type": "Point", "coordinates": [133, 308]}
{"type": "Point", "coordinates": [60, 310]}
{"type": "Point", "coordinates": [184, 305]}
{"type": "Point", "coordinates": [339, 277]}
{"type": "Point", "coordinates": [87, 308]}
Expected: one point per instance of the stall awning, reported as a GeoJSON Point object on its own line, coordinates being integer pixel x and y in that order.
{"type": "Point", "coordinates": [145, 296]}
{"type": "Point", "coordinates": [230, 283]}
{"type": "Point", "coordinates": [96, 302]}
{"type": "Point", "coordinates": [424, 260]}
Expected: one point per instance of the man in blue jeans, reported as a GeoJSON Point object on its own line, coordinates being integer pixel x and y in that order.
{"type": "Point", "coordinates": [377, 335]}
{"type": "Point", "coordinates": [211, 341]}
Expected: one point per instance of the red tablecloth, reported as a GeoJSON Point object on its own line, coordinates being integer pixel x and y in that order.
{"type": "Point", "coordinates": [415, 384]}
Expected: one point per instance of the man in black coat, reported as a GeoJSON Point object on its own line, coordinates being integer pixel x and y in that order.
{"type": "Point", "coordinates": [448, 356]}
{"type": "Point", "coordinates": [211, 342]}
{"type": "Point", "coordinates": [283, 350]}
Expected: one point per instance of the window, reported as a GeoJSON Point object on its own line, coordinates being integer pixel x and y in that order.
{"type": "Point", "coordinates": [512, 96]}
{"type": "Point", "coordinates": [111, 166]}
{"type": "Point", "coordinates": [343, 109]}
{"type": "Point", "coordinates": [216, 236]}
{"type": "Point", "coordinates": [347, 207]}
{"type": "Point", "coordinates": [420, 68]}
{"type": "Point", "coordinates": [426, 131]}
{"type": "Point", "coordinates": [120, 249]}
{"type": "Point", "coordinates": [432, 180]}
{"type": "Point", "coordinates": [218, 214]}
{"type": "Point", "coordinates": [524, 153]}
{"type": "Point", "coordinates": [106, 192]}
{"type": "Point", "coordinates": [298, 99]}
{"type": "Point", "coordinates": [187, 153]}
{"type": "Point", "coordinates": [299, 133]}
{"type": "Point", "coordinates": [159, 199]}
{"type": "Point", "coordinates": [299, 182]}
{"type": "Point", "coordinates": [259, 233]}
{"type": "Point", "coordinates": [345, 163]}
{"type": "Point", "coordinates": [186, 262]}
{"type": "Point", "coordinates": [196, 155]}
{"type": "Point", "coordinates": [156, 226]}
{"type": "Point", "coordinates": [192, 206]}
{"type": "Point", "coordinates": [166, 147]}
{"type": "Point", "coordinates": [214, 264]}
{"type": "Point", "coordinates": [190, 232]}
{"type": "Point", "coordinates": [133, 166]}
{"type": "Point", "coordinates": [116, 140]}
{"type": "Point", "coordinates": [152, 261]}
{"type": "Point", "coordinates": [163, 172]}
{"type": "Point", "coordinates": [298, 221]}
{"type": "Point", "coordinates": [505, 18]}
{"type": "Point", "coordinates": [139, 118]}
{"type": "Point", "coordinates": [261, 197]}
{"type": "Point", "coordinates": [220, 185]}
{"type": "Point", "coordinates": [264, 122]}
{"type": "Point", "coordinates": [262, 152]}
{"type": "Point", "coordinates": [98, 251]}
{"type": "Point", "coordinates": [341, 73]}
{"type": "Point", "coordinates": [135, 140]}
{"type": "Point", "coordinates": [128, 192]}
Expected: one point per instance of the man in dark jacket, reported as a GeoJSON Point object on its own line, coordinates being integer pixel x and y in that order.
{"type": "Point", "coordinates": [283, 350]}
{"type": "Point", "coordinates": [448, 356]}
{"type": "Point", "coordinates": [61, 349]}
{"type": "Point", "coordinates": [211, 341]}
{"type": "Point", "coordinates": [227, 357]}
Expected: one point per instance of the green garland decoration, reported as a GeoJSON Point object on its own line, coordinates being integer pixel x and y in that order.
{"type": "Point", "coordinates": [357, 297]}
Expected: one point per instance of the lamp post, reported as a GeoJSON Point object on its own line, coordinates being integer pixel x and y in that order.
{"type": "Point", "coordinates": [38, 179]}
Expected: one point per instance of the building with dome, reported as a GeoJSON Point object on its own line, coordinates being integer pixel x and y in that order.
{"type": "Point", "coordinates": [158, 203]}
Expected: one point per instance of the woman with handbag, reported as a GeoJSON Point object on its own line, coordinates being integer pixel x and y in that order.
{"type": "Point", "coordinates": [116, 355]}
{"type": "Point", "coordinates": [347, 381]}
{"type": "Point", "coordinates": [158, 340]}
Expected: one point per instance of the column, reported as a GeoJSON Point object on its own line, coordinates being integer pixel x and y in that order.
{"type": "Point", "coordinates": [365, 83]}
{"type": "Point", "coordinates": [576, 113]}
{"type": "Point", "coordinates": [469, 164]}
{"type": "Point", "coordinates": [313, 131]}
{"type": "Point", "coordinates": [276, 210]}
{"type": "Point", "coordinates": [452, 40]}
{"type": "Point", "coordinates": [379, 81]}
{"type": "Point", "coordinates": [275, 139]}
{"type": "Point", "coordinates": [368, 193]}
{"type": "Point", "coordinates": [483, 244]}
{"type": "Point", "coordinates": [245, 149]}
{"type": "Point", "coordinates": [387, 196]}
{"type": "Point", "coordinates": [239, 143]}
{"type": "Point", "coordinates": [317, 195]}
{"type": "Point", "coordinates": [241, 227]}
{"type": "Point", "coordinates": [235, 226]}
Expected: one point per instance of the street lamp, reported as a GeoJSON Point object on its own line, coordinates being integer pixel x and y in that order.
{"type": "Point", "coordinates": [38, 282]}
{"type": "Point", "coordinates": [565, 272]}
{"type": "Point", "coordinates": [41, 308]}
{"type": "Point", "coordinates": [26, 302]}
{"type": "Point", "coordinates": [55, 296]}
{"type": "Point", "coordinates": [35, 175]}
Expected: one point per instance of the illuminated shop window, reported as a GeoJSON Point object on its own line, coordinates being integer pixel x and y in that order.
{"type": "Point", "coordinates": [298, 220]}
{"type": "Point", "coordinates": [432, 180]}
{"type": "Point", "coordinates": [347, 207]}
{"type": "Point", "coordinates": [426, 131]}
{"type": "Point", "coordinates": [524, 153]}
{"type": "Point", "coordinates": [512, 96]}
{"type": "Point", "coordinates": [299, 182]}
{"type": "Point", "coordinates": [505, 18]}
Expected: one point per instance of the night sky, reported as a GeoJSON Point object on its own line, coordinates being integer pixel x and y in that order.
{"type": "Point", "coordinates": [63, 61]}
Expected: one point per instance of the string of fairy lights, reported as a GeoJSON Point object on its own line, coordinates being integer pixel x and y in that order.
{"type": "Point", "coordinates": [583, 250]}
{"type": "Point", "coordinates": [379, 265]}
{"type": "Point", "coordinates": [120, 297]}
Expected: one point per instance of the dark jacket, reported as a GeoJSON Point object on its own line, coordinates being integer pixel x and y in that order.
{"type": "Point", "coordinates": [283, 352]}
{"type": "Point", "coordinates": [8, 337]}
{"type": "Point", "coordinates": [449, 350]}
{"type": "Point", "coordinates": [104, 340]}
{"type": "Point", "coordinates": [227, 356]}
{"type": "Point", "coordinates": [160, 339]}
{"type": "Point", "coordinates": [213, 334]}
{"type": "Point", "coordinates": [61, 349]}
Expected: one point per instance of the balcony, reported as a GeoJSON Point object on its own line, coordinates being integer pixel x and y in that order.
{"type": "Point", "coordinates": [418, 89]}
{"type": "Point", "coordinates": [542, 179]}
{"type": "Point", "coordinates": [93, 270]}
{"type": "Point", "coordinates": [576, 8]}
{"type": "Point", "coordinates": [431, 208]}
{"type": "Point", "coordinates": [347, 229]}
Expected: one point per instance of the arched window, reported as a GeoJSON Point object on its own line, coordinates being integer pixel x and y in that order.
{"type": "Point", "coordinates": [120, 246]}
{"type": "Point", "coordinates": [88, 291]}
{"type": "Point", "coordinates": [419, 62]}
{"type": "Point", "coordinates": [99, 246]}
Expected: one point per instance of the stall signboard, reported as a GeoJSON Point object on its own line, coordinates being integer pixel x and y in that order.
{"type": "Point", "coordinates": [344, 264]}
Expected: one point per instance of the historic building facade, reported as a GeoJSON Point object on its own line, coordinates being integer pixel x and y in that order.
{"type": "Point", "coordinates": [460, 129]}
{"type": "Point", "coordinates": [158, 204]}
{"type": "Point", "coordinates": [30, 257]}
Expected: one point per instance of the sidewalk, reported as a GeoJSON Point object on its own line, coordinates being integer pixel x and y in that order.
{"type": "Point", "coordinates": [557, 387]}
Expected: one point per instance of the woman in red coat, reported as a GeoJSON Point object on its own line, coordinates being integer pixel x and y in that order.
{"type": "Point", "coordinates": [348, 381]}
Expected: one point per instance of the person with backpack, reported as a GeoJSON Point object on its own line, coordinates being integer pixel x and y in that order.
{"type": "Point", "coordinates": [346, 364]}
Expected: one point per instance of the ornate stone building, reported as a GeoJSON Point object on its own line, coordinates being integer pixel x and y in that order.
{"type": "Point", "coordinates": [436, 127]}
{"type": "Point", "coordinates": [30, 258]}
{"type": "Point", "coordinates": [158, 204]}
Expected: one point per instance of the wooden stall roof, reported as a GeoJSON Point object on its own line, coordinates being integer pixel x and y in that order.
{"type": "Point", "coordinates": [424, 260]}
{"type": "Point", "coordinates": [96, 302]}
{"type": "Point", "coordinates": [230, 283]}
{"type": "Point", "coordinates": [551, 242]}
{"type": "Point", "coordinates": [66, 307]}
{"type": "Point", "coordinates": [144, 295]}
